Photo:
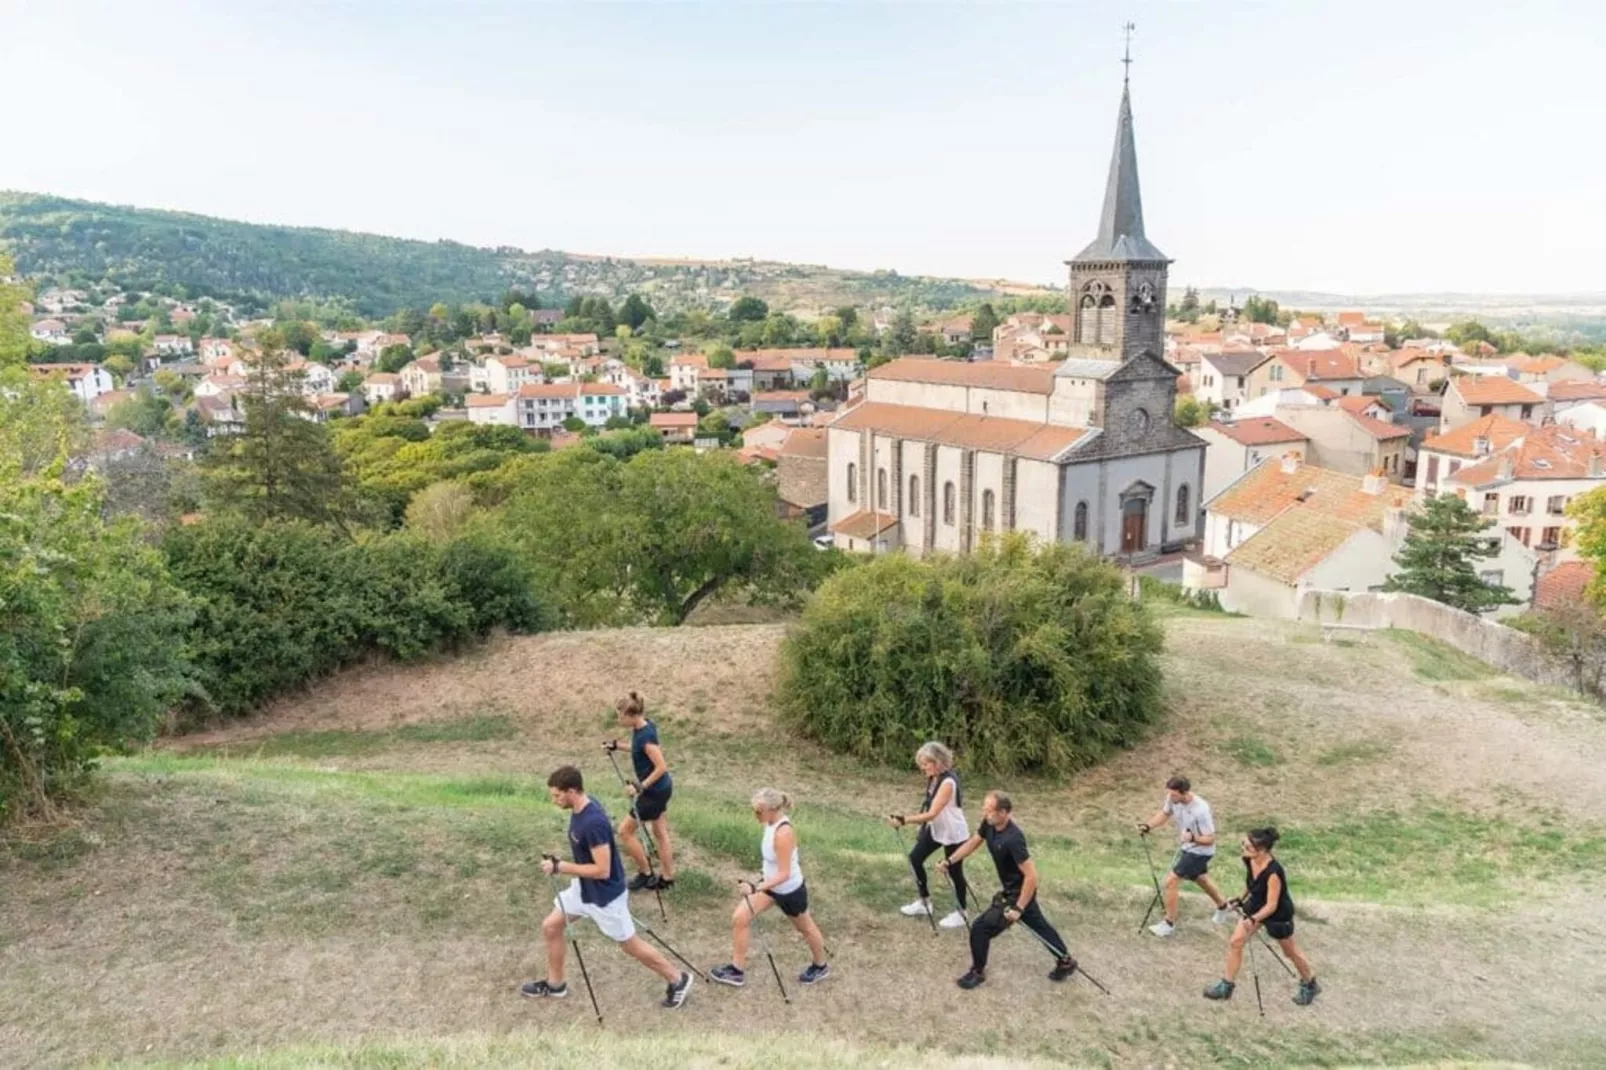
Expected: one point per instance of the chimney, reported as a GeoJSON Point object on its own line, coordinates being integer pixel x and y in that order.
{"type": "Point", "coordinates": [1508, 466]}
{"type": "Point", "coordinates": [1290, 463]}
{"type": "Point", "coordinates": [1480, 446]}
{"type": "Point", "coordinates": [1373, 482]}
{"type": "Point", "coordinates": [1596, 468]}
{"type": "Point", "coordinates": [1395, 526]}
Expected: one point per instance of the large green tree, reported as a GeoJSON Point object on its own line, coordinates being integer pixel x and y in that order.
{"type": "Point", "coordinates": [983, 323]}
{"type": "Point", "coordinates": [1439, 559]}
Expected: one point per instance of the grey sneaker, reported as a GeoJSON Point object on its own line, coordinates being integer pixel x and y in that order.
{"type": "Point", "coordinates": [1308, 991]}
{"type": "Point", "coordinates": [728, 975]}
{"type": "Point", "coordinates": [676, 993]}
{"type": "Point", "coordinates": [542, 990]}
{"type": "Point", "coordinates": [1220, 990]}
{"type": "Point", "coordinates": [815, 972]}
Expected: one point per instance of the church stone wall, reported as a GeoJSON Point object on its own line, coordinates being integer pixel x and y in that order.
{"type": "Point", "coordinates": [946, 536]}
{"type": "Point", "coordinates": [1036, 498]}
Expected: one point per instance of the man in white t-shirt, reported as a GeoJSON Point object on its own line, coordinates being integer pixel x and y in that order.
{"type": "Point", "coordinates": [1196, 836]}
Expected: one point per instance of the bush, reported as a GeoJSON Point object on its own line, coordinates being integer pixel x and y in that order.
{"type": "Point", "coordinates": [280, 604]}
{"type": "Point", "coordinates": [1021, 659]}
{"type": "Point", "coordinates": [1151, 589]}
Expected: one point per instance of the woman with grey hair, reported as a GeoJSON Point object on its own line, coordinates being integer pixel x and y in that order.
{"type": "Point", "coordinates": [942, 824]}
{"type": "Point", "coordinates": [780, 886]}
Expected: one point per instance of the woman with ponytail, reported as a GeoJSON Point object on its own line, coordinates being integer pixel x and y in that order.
{"type": "Point", "coordinates": [1267, 905]}
{"type": "Point", "coordinates": [649, 797]}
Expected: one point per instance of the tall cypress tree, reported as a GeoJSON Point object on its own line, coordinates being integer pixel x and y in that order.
{"type": "Point", "coordinates": [1440, 555]}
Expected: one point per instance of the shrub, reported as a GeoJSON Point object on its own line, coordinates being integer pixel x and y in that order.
{"type": "Point", "coordinates": [1023, 660]}
{"type": "Point", "coordinates": [1151, 588]}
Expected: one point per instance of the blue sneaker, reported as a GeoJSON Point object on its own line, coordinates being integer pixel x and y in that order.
{"type": "Point", "coordinates": [728, 975]}
{"type": "Point", "coordinates": [815, 972]}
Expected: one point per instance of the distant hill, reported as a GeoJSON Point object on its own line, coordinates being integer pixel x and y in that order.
{"type": "Point", "coordinates": [144, 249]}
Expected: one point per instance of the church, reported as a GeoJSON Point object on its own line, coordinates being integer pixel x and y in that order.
{"type": "Point", "coordinates": [940, 453]}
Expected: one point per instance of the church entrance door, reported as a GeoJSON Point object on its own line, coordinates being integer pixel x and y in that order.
{"type": "Point", "coordinates": [1134, 525]}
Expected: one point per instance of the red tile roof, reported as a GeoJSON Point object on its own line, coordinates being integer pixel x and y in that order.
{"type": "Point", "coordinates": [1501, 431]}
{"type": "Point", "coordinates": [863, 525]}
{"type": "Point", "coordinates": [1260, 431]}
{"type": "Point", "coordinates": [1024, 438]}
{"type": "Point", "coordinates": [1581, 390]}
{"type": "Point", "coordinates": [1035, 379]}
{"type": "Point", "coordinates": [806, 443]}
{"type": "Point", "coordinates": [1320, 364]}
{"type": "Point", "coordinates": [673, 421]}
{"type": "Point", "coordinates": [1267, 490]}
{"type": "Point", "coordinates": [1563, 585]}
{"type": "Point", "coordinates": [1379, 429]}
{"type": "Point", "coordinates": [1493, 390]}
{"type": "Point", "coordinates": [1553, 452]}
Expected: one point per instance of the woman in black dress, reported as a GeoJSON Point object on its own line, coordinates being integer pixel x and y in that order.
{"type": "Point", "coordinates": [1265, 904]}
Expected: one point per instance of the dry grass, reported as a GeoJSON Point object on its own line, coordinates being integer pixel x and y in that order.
{"type": "Point", "coordinates": [368, 887]}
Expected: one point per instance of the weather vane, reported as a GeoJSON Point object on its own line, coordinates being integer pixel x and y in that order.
{"type": "Point", "coordinates": [1126, 59]}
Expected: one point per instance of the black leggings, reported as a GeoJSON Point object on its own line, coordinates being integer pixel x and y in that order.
{"type": "Point", "coordinates": [991, 922]}
{"type": "Point", "coordinates": [923, 849]}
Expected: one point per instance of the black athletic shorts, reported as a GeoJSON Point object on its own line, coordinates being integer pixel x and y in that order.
{"type": "Point", "coordinates": [650, 805]}
{"type": "Point", "coordinates": [1190, 866]}
{"type": "Point", "coordinates": [793, 903]}
{"type": "Point", "coordinates": [1279, 930]}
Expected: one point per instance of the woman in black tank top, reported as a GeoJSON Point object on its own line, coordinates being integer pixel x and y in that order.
{"type": "Point", "coordinates": [1266, 904]}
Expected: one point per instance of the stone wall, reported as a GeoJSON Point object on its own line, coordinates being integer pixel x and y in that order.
{"type": "Point", "coordinates": [1506, 649]}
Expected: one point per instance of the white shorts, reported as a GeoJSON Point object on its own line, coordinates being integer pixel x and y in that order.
{"type": "Point", "coordinates": [613, 918]}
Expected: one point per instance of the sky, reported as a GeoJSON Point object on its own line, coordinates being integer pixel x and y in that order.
{"type": "Point", "coordinates": [1362, 147]}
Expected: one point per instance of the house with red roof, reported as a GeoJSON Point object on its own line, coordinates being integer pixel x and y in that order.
{"type": "Point", "coordinates": [1468, 397]}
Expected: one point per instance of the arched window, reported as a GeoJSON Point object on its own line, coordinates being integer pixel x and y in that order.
{"type": "Point", "coordinates": [853, 482]}
{"type": "Point", "coordinates": [1079, 526]}
{"type": "Point", "coordinates": [948, 503]}
{"type": "Point", "coordinates": [987, 510]}
{"type": "Point", "coordinates": [1182, 504]}
{"type": "Point", "coordinates": [914, 495]}
{"type": "Point", "coordinates": [1088, 331]}
{"type": "Point", "coordinates": [881, 488]}
{"type": "Point", "coordinates": [1107, 321]}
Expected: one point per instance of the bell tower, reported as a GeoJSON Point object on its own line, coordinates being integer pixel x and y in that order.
{"type": "Point", "coordinates": [1117, 284]}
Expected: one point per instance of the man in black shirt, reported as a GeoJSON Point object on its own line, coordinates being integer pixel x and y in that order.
{"type": "Point", "coordinates": [1018, 899]}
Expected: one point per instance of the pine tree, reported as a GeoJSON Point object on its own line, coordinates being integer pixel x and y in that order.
{"type": "Point", "coordinates": [983, 324]}
{"type": "Point", "coordinates": [1440, 555]}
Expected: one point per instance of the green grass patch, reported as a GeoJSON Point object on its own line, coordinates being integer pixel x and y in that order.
{"type": "Point", "coordinates": [1246, 750]}
{"type": "Point", "coordinates": [1354, 752]}
{"type": "Point", "coordinates": [354, 743]}
{"type": "Point", "coordinates": [1440, 662]}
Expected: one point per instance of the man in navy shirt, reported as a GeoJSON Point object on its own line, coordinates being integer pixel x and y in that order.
{"type": "Point", "coordinates": [598, 893]}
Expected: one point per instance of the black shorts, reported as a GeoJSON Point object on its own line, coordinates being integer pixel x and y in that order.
{"type": "Point", "coordinates": [1190, 866]}
{"type": "Point", "coordinates": [1279, 930]}
{"type": "Point", "coordinates": [650, 805]}
{"type": "Point", "coordinates": [793, 903]}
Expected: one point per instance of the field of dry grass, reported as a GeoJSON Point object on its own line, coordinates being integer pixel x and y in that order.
{"type": "Point", "coordinates": [349, 879]}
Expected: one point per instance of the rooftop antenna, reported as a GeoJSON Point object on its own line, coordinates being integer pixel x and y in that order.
{"type": "Point", "coordinates": [1126, 59]}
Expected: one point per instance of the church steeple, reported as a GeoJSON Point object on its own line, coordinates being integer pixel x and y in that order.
{"type": "Point", "coordinates": [1121, 236]}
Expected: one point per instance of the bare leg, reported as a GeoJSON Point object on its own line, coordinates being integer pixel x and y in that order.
{"type": "Point", "coordinates": [632, 844]}
{"type": "Point", "coordinates": [1173, 889]}
{"type": "Point", "coordinates": [742, 926]}
{"type": "Point", "coordinates": [648, 956]}
{"type": "Point", "coordinates": [1297, 958]}
{"type": "Point", "coordinates": [552, 933]}
{"type": "Point", "coordinates": [804, 924]}
{"type": "Point", "coordinates": [1235, 951]}
{"type": "Point", "coordinates": [1212, 891]}
{"type": "Point", "coordinates": [666, 854]}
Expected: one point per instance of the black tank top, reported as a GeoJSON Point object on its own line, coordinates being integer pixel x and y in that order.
{"type": "Point", "coordinates": [1255, 892]}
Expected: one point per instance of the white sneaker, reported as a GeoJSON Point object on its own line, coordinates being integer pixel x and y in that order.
{"type": "Point", "coordinates": [918, 909]}
{"type": "Point", "coordinates": [1222, 916]}
{"type": "Point", "coordinates": [1165, 928]}
{"type": "Point", "coordinates": [955, 920]}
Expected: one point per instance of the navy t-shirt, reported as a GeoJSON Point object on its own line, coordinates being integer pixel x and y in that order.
{"type": "Point", "coordinates": [639, 738]}
{"type": "Point", "coordinates": [589, 828]}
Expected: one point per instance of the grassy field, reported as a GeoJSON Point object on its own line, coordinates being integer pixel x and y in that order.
{"type": "Point", "coordinates": [349, 879]}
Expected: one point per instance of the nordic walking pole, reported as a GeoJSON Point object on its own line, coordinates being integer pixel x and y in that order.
{"type": "Point", "coordinates": [641, 827]}
{"type": "Point", "coordinates": [764, 942]}
{"type": "Point", "coordinates": [1262, 934]}
{"type": "Point", "coordinates": [898, 828]}
{"type": "Point", "coordinates": [1153, 876]}
{"type": "Point", "coordinates": [573, 941]}
{"type": "Point", "coordinates": [1255, 973]}
{"type": "Point", "coordinates": [1058, 954]}
{"type": "Point", "coordinates": [661, 942]}
{"type": "Point", "coordinates": [955, 889]}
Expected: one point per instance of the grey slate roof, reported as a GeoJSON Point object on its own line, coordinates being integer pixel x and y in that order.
{"type": "Point", "coordinates": [1236, 362]}
{"type": "Point", "coordinates": [1121, 235]}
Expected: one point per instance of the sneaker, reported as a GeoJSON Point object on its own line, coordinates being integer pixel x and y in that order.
{"type": "Point", "coordinates": [675, 994]}
{"type": "Point", "coordinates": [955, 920]}
{"type": "Point", "coordinates": [1308, 991]}
{"type": "Point", "coordinates": [640, 881]}
{"type": "Point", "coordinates": [1223, 915]}
{"type": "Point", "coordinates": [972, 979]}
{"type": "Point", "coordinates": [728, 975]}
{"type": "Point", "coordinates": [815, 972]}
{"type": "Point", "coordinates": [918, 909]}
{"type": "Point", "coordinates": [1220, 990]}
{"type": "Point", "coordinates": [540, 989]}
{"type": "Point", "coordinates": [1063, 969]}
{"type": "Point", "coordinates": [1165, 928]}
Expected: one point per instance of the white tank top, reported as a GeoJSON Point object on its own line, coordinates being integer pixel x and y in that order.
{"type": "Point", "coordinates": [772, 865]}
{"type": "Point", "coordinates": [949, 827]}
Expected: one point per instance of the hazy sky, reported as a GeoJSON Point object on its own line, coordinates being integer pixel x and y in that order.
{"type": "Point", "coordinates": [1356, 146]}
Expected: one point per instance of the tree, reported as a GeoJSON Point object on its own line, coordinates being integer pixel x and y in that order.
{"type": "Point", "coordinates": [1191, 411]}
{"type": "Point", "coordinates": [983, 323]}
{"type": "Point", "coordinates": [393, 358]}
{"type": "Point", "coordinates": [349, 382]}
{"type": "Point", "coordinates": [1187, 309]}
{"type": "Point", "coordinates": [440, 511]}
{"type": "Point", "coordinates": [15, 341]}
{"type": "Point", "coordinates": [748, 310]}
{"type": "Point", "coordinates": [121, 367]}
{"type": "Point", "coordinates": [1588, 510]}
{"type": "Point", "coordinates": [282, 465]}
{"type": "Point", "coordinates": [1440, 555]}
{"type": "Point", "coordinates": [1261, 310]}
{"type": "Point", "coordinates": [903, 336]}
{"type": "Point", "coordinates": [715, 426]}
{"type": "Point", "coordinates": [1468, 333]}
{"type": "Point", "coordinates": [1573, 633]}
{"type": "Point", "coordinates": [721, 357]}
{"type": "Point", "coordinates": [636, 311]}
{"type": "Point", "coordinates": [145, 413]}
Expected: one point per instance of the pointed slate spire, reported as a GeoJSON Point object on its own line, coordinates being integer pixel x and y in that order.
{"type": "Point", "coordinates": [1121, 235]}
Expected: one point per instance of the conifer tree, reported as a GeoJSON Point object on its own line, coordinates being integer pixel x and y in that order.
{"type": "Point", "coordinates": [1440, 555]}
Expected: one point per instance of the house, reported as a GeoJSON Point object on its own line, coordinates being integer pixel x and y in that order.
{"type": "Point", "coordinates": [840, 365]}
{"type": "Point", "coordinates": [801, 476]}
{"type": "Point", "coordinates": [1564, 394]}
{"type": "Point", "coordinates": [771, 368]}
{"type": "Point", "coordinates": [1467, 397]}
{"type": "Point", "coordinates": [1335, 369]}
{"type": "Point", "coordinates": [586, 345]}
{"type": "Point", "coordinates": [422, 376]}
{"type": "Point", "coordinates": [766, 437]}
{"type": "Point", "coordinates": [1353, 442]}
{"type": "Point", "coordinates": [1421, 368]}
{"type": "Point", "coordinates": [1525, 488]}
{"type": "Point", "coordinates": [725, 383]}
{"type": "Point", "coordinates": [381, 386]}
{"type": "Point", "coordinates": [1444, 454]}
{"type": "Point", "coordinates": [86, 381]}
{"type": "Point", "coordinates": [173, 345]}
{"type": "Point", "coordinates": [216, 349]}
{"type": "Point", "coordinates": [508, 374]}
{"type": "Point", "coordinates": [685, 372]}
{"type": "Point", "coordinates": [641, 391]}
{"type": "Point", "coordinates": [1548, 368]}
{"type": "Point", "coordinates": [53, 331]}
{"type": "Point", "coordinates": [1357, 328]}
{"type": "Point", "coordinates": [219, 415]}
{"type": "Point", "coordinates": [220, 386]}
{"type": "Point", "coordinates": [315, 378]}
{"type": "Point", "coordinates": [1564, 585]}
{"type": "Point", "coordinates": [1586, 416]}
{"type": "Point", "coordinates": [321, 407]}
{"type": "Point", "coordinates": [1267, 404]}
{"type": "Point", "coordinates": [674, 426]}
{"type": "Point", "coordinates": [1032, 338]}
{"type": "Point", "coordinates": [543, 407]}
{"type": "Point", "coordinates": [782, 402]}
{"type": "Point", "coordinates": [114, 445]}
{"type": "Point", "coordinates": [1224, 377]}
{"type": "Point", "coordinates": [941, 453]}
{"type": "Point", "coordinates": [490, 409]}
{"type": "Point", "coordinates": [1240, 445]}
{"type": "Point", "coordinates": [546, 317]}
{"type": "Point", "coordinates": [953, 332]}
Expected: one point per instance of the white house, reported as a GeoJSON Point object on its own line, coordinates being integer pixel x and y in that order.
{"type": "Point", "coordinates": [381, 386]}
{"type": "Point", "coordinates": [1586, 416]}
{"type": "Point", "coordinates": [1443, 455]}
{"type": "Point", "coordinates": [1467, 398]}
{"type": "Point", "coordinates": [53, 331]}
{"type": "Point", "coordinates": [491, 409]}
{"type": "Point", "coordinates": [1240, 445]}
{"type": "Point", "coordinates": [173, 345]}
{"type": "Point", "coordinates": [422, 376]}
{"type": "Point", "coordinates": [506, 375]}
{"type": "Point", "coordinates": [543, 407]}
{"type": "Point", "coordinates": [685, 372]}
{"type": "Point", "coordinates": [1526, 487]}
{"type": "Point", "coordinates": [1223, 378]}
{"type": "Point", "coordinates": [86, 381]}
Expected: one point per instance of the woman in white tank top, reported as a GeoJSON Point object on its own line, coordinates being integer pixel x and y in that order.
{"type": "Point", "coordinates": [781, 886]}
{"type": "Point", "coordinates": [942, 824]}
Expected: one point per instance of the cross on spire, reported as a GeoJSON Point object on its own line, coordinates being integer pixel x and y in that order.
{"type": "Point", "coordinates": [1126, 59]}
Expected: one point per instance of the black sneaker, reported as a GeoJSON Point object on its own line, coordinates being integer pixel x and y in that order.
{"type": "Point", "coordinates": [640, 881]}
{"type": "Point", "coordinates": [540, 989]}
{"type": "Point", "coordinates": [1220, 990]}
{"type": "Point", "coordinates": [1063, 969]}
{"type": "Point", "coordinates": [1308, 991]}
{"type": "Point", "coordinates": [676, 993]}
{"type": "Point", "coordinates": [728, 975]}
{"type": "Point", "coordinates": [815, 972]}
{"type": "Point", "coordinates": [972, 979]}
{"type": "Point", "coordinates": [660, 884]}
